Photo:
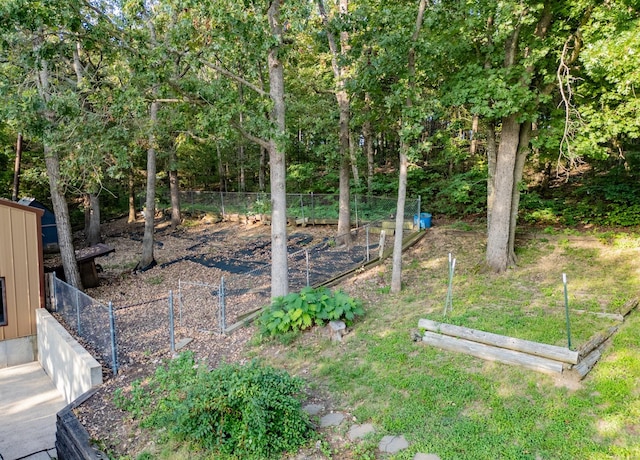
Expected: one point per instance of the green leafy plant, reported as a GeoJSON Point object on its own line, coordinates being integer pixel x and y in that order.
{"type": "Point", "coordinates": [234, 411]}
{"type": "Point", "coordinates": [299, 311]}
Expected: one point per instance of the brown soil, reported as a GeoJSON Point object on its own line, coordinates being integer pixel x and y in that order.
{"type": "Point", "coordinates": [141, 302]}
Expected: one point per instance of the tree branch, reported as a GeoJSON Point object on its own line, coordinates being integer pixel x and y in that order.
{"type": "Point", "coordinates": [255, 139]}
{"type": "Point", "coordinates": [235, 77]}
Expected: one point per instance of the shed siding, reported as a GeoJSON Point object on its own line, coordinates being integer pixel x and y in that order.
{"type": "Point", "coordinates": [21, 266]}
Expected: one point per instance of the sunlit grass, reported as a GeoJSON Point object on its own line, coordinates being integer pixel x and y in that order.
{"type": "Point", "coordinates": [465, 408]}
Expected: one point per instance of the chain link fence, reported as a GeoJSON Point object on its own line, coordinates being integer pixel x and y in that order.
{"type": "Point", "coordinates": [310, 263]}
{"type": "Point", "coordinates": [304, 208]}
{"type": "Point", "coordinates": [122, 334]}
{"type": "Point", "coordinates": [201, 306]}
{"type": "Point", "coordinates": [117, 335]}
{"type": "Point", "coordinates": [91, 320]}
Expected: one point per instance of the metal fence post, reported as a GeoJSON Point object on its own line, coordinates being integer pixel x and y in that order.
{"type": "Point", "coordinates": [307, 256]}
{"type": "Point", "coordinates": [302, 209]}
{"type": "Point", "coordinates": [78, 311]}
{"type": "Point", "coordinates": [566, 309]}
{"type": "Point", "coordinates": [355, 200]}
{"type": "Point", "coordinates": [313, 210]}
{"type": "Point", "coordinates": [221, 300]}
{"type": "Point", "coordinates": [180, 301]}
{"type": "Point", "coordinates": [171, 328]}
{"type": "Point", "coordinates": [367, 233]}
{"type": "Point", "coordinates": [114, 352]}
{"type": "Point", "coordinates": [55, 292]}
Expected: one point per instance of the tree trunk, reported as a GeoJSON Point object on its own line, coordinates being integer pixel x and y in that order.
{"type": "Point", "coordinates": [521, 157]}
{"type": "Point", "coordinates": [344, 213]}
{"type": "Point", "coordinates": [499, 254]}
{"type": "Point", "coordinates": [342, 97]}
{"type": "Point", "coordinates": [279, 263]}
{"type": "Point", "coordinates": [16, 169]}
{"type": "Point", "coordinates": [148, 260]}
{"type": "Point", "coordinates": [492, 155]}
{"type": "Point", "coordinates": [263, 168]}
{"type": "Point", "coordinates": [63, 225]}
{"type": "Point", "coordinates": [242, 183]}
{"type": "Point", "coordinates": [368, 148]}
{"type": "Point", "coordinates": [60, 208]}
{"type": "Point", "coordinates": [475, 122]}
{"type": "Point", "coordinates": [396, 273]}
{"type": "Point", "coordinates": [132, 197]}
{"type": "Point", "coordinates": [174, 189]}
{"type": "Point", "coordinates": [223, 179]}
{"type": "Point", "coordinates": [353, 157]}
{"type": "Point", "coordinates": [92, 229]}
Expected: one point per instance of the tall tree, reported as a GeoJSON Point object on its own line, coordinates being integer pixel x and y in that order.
{"type": "Point", "coordinates": [338, 57]}
{"type": "Point", "coordinates": [34, 36]}
{"type": "Point", "coordinates": [279, 263]}
{"type": "Point", "coordinates": [511, 53]}
{"type": "Point", "coordinates": [405, 140]}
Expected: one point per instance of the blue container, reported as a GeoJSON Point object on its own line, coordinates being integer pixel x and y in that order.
{"type": "Point", "coordinates": [424, 220]}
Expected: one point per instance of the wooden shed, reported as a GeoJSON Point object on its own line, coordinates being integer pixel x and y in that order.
{"type": "Point", "coordinates": [21, 281]}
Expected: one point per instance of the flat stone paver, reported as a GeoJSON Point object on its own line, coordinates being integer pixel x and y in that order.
{"type": "Point", "coordinates": [420, 456]}
{"type": "Point", "coordinates": [360, 431]}
{"type": "Point", "coordinates": [29, 402]}
{"type": "Point", "coordinates": [333, 419]}
{"type": "Point", "coordinates": [313, 409]}
{"type": "Point", "coordinates": [183, 343]}
{"type": "Point", "coordinates": [392, 444]}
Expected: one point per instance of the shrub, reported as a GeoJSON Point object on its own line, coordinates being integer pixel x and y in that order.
{"type": "Point", "coordinates": [240, 411]}
{"type": "Point", "coordinates": [298, 311]}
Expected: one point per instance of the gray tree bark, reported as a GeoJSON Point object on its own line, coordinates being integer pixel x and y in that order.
{"type": "Point", "coordinates": [499, 254]}
{"type": "Point", "coordinates": [344, 108]}
{"type": "Point", "coordinates": [92, 230]}
{"type": "Point", "coordinates": [52, 162]}
{"type": "Point", "coordinates": [279, 263]}
{"type": "Point", "coordinates": [396, 273]}
{"type": "Point", "coordinates": [148, 260]}
{"type": "Point", "coordinates": [132, 197]}
{"type": "Point", "coordinates": [174, 189]}
{"type": "Point", "coordinates": [16, 169]}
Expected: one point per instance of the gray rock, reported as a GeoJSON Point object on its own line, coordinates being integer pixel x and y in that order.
{"type": "Point", "coordinates": [392, 444]}
{"type": "Point", "coordinates": [360, 431]}
{"type": "Point", "coordinates": [420, 456]}
{"type": "Point", "coordinates": [333, 419]}
{"type": "Point", "coordinates": [183, 343]}
{"type": "Point", "coordinates": [313, 409]}
{"type": "Point", "coordinates": [337, 330]}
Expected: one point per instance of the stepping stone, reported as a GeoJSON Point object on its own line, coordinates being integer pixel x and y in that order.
{"type": "Point", "coordinates": [419, 456]}
{"type": "Point", "coordinates": [392, 444]}
{"type": "Point", "coordinates": [360, 431]}
{"type": "Point", "coordinates": [333, 419]}
{"type": "Point", "coordinates": [313, 409]}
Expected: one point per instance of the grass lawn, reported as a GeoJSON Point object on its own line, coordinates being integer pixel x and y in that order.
{"type": "Point", "coordinates": [461, 407]}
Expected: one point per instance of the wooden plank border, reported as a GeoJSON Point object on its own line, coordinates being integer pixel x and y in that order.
{"type": "Point", "coordinates": [511, 343]}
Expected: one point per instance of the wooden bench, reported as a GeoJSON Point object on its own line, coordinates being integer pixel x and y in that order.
{"type": "Point", "coordinates": [87, 263]}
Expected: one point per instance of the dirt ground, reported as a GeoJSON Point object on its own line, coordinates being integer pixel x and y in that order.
{"type": "Point", "coordinates": [191, 261]}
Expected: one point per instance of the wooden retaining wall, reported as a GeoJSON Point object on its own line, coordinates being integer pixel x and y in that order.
{"type": "Point", "coordinates": [531, 355]}
{"type": "Point", "coordinates": [72, 439]}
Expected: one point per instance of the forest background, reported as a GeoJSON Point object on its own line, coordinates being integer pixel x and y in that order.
{"type": "Point", "coordinates": [505, 111]}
